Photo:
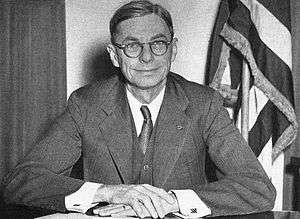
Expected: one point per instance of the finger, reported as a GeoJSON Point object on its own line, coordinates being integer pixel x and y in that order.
{"type": "Point", "coordinates": [96, 210]}
{"type": "Point", "coordinates": [149, 205]}
{"type": "Point", "coordinates": [110, 206]}
{"type": "Point", "coordinates": [105, 211]}
{"type": "Point", "coordinates": [128, 212]}
{"type": "Point", "coordinates": [160, 208]}
{"type": "Point", "coordinates": [160, 192]}
{"type": "Point", "coordinates": [111, 211]}
{"type": "Point", "coordinates": [140, 209]}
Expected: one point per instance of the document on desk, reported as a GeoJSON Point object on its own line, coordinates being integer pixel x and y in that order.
{"type": "Point", "coordinates": [111, 211]}
{"type": "Point", "coordinates": [79, 216]}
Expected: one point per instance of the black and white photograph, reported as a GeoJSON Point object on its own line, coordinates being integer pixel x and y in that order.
{"type": "Point", "coordinates": [175, 109]}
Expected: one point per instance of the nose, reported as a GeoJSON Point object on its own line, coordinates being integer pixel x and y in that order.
{"type": "Point", "coordinates": [146, 55]}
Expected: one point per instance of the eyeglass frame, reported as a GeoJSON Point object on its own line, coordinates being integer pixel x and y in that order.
{"type": "Point", "coordinates": [123, 47]}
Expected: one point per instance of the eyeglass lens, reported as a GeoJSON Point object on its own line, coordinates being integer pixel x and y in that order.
{"type": "Point", "coordinates": [134, 49]}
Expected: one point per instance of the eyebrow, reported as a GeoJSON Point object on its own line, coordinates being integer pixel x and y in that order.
{"type": "Point", "coordinates": [131, 38]}
{"type": "Point", "coordinates": [160, 35]}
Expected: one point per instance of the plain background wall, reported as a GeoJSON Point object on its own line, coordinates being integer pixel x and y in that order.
{"type": "Point", "coordinates": [87, 34]}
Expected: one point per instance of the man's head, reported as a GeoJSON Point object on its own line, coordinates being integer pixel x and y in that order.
{"type": "Point", "coordinates": [143, 43]}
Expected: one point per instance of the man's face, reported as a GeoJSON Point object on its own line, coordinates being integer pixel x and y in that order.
{"type": "Point", "coordinates": [147, 70]}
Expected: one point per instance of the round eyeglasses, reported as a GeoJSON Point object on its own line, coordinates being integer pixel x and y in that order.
{"type": "Point", "coordinates": [134, 49]}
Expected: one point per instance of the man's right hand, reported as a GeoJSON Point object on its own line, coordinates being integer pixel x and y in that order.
{"type": "Point", "coordinates": [143, 199]}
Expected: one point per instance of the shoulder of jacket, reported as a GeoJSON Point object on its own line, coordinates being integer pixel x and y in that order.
{"type": "Point", "coordinates": [193, 89]}
{"type": "Point", "coordinates": [96, 90]}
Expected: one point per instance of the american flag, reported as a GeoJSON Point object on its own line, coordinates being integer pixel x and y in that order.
{"type": "Point", "coordinates": [257, 33]}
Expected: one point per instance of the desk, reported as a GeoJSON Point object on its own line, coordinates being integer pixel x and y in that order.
{"type": "Point", "coordinates": [266, 215]}
{"type": "Point", "coordinates": [21, 212]}
{"type": "Point", "coordinates": [263, 215]}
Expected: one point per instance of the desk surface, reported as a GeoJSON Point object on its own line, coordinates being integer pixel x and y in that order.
{"type": "Point", "coordinates": [263, 215]}
{"type": "Point", "coordinates": [13, 212]}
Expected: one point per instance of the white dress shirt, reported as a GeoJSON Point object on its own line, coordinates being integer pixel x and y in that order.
{"type": "Point", "coordinates": [135, 106]}
{"type": "Point", "coordinates": [190, 204]}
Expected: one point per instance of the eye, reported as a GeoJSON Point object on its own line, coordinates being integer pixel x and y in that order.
{"type": "Point", "coordinates": [158, 47]}
{"type": "Point", "coordinates": [134, 46]}
{"type": "Point", "coordinates": [158, 43]}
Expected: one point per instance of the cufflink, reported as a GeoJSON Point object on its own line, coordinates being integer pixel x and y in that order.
{"type": "Point", "coordinates": [193, 210]}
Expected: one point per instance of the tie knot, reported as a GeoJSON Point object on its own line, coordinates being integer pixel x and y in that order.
{"type": "Point", "coordinates": [146, 112]}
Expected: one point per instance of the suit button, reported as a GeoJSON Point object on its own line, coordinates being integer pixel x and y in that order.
{"type": "Point", "coordinates": [146, 167]}
{"type": "Point", "coordinates": [179, 127]}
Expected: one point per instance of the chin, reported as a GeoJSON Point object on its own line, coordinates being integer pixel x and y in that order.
{"type": "Point", "coordinates": [145, 86]}
{"type": "Point", "coordinates": [149, 84]}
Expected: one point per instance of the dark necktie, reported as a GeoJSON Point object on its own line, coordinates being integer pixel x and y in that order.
{"type": "Point", "coordinates": [144, 137]}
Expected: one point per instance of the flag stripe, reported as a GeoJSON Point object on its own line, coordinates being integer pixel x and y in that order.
{"type": "Point", "coordinates": [236, 66]}
{"type": "Point", "coordinates": [257, 101]}
{"type": "Point", "coordinates": [268, 26]}
{"type": "Point", "coordinates": [270, 122]}
{"type": "Point", "coordinates": [280, 9]}
{"type": "Point", "coordinates": [273, 67]}
{"type": "Point", "coordinates": [216, 42]}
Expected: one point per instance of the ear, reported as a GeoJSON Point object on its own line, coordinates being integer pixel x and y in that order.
{"type": "Point", "coordinates": [174, 49]}
{"type": "Point", "coordinates": [113, 55]}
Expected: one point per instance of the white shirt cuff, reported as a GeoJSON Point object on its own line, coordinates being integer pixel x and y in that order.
{"type": "Point", "coordinates": [190, 205]}
{"type": "Point", "coordinates": [82, 199]}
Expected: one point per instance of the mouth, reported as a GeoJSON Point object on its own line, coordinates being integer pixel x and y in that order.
{"type": "Point", "coordinates": [146, 70]}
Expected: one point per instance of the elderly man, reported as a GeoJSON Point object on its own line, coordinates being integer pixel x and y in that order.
{"type": "Point", "coordinates": [145, 136]}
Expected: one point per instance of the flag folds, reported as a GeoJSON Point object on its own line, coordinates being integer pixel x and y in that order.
{"type": "Point", "coordinates": [256, 32]}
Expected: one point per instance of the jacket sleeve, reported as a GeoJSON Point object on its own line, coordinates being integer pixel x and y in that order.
{"type": "Point", "coordinates": [243, 186]}
{"type": "Point", "coordinates": [42, 179]}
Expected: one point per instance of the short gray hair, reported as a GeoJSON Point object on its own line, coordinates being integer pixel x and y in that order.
{"type": "Point", "coordinates": [139, 8]}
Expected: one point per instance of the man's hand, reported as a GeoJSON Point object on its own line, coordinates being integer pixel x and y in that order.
{"type": "Point", "coordinates": [144, 200]}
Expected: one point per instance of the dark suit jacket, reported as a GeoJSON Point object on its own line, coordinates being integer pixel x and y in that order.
{"type": "Point", "coordinates": [191, 124]}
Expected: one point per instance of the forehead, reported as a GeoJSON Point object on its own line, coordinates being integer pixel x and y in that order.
{"type": "Point", "coordinates": [143, 27]}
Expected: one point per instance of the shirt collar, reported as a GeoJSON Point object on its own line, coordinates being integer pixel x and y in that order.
{"type": "Point", "coordinates": [154, 106]}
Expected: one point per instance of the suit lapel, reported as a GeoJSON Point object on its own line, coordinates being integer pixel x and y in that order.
{"type": "Point", "coordinates": [117, 130]}
{"type": "Point", "coordinates": [172, 125]}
